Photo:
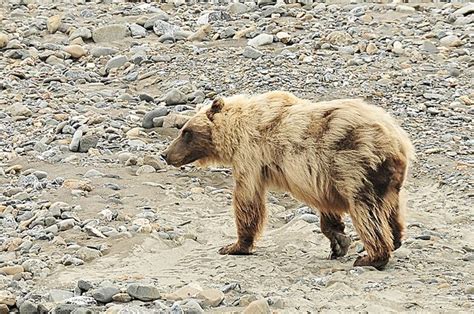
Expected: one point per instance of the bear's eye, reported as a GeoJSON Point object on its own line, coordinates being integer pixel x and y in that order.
{"type": "Point", "coordinates": [187, 135]}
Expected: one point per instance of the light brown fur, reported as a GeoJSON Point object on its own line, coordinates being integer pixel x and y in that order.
{"type": "Point", "coordinates": [341, 156]}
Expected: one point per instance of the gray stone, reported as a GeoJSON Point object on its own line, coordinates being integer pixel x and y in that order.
{"type": "Point", "coordinates": [103, 51]}
{"type": "Point", "coordinates": [88, 254]}
{"type": "Point", "coordinates": [17, 109]}
{"type": "Point", "coordinates": [28, 307]}
{"type": "Point", "coordinates": [67, 224]}
{"type": "Point", "coordinates": [213, 16]}
{"type": "Point", "coordinates": [115, 62]}
{"type": "Point", "coordinates": [175, 97]}
{"type": "Point", "coordinates": [57, 295]}
{"type": "Point", "coordinates": [191, 307]}
{"type": "Point", "coordinates": [143, 292]}
{"type": "Point", "coordinates": [104, 294]}
{"type": "Point", "coordinates": [137, 30]}
{"type": "Point", "coordinates": [151, 21]}
{"type": "Point", "coordinates": [261, 40]}
{"type": "Point", "coordinates": [252, 53]}
{"type": "Point", "coordinates": [87, 142]}
{"type": "Point", "coordinates": [109, 33]}
{"type": "Point", "coordinates": [237, 8]}
{"type": "Point", "coordinates": [429, 47]}
{"type": "Point", "coordinates": [310, 218]}
{"type": "Point", "coordinates": [82, 32]}
{"type": "Point", "coordinates": [81, 301]}
{"type": "Point", "coordinates": [84, 285]}
{"type": "Point", "coordinates": [76, 138]}
{"type": "Point", "coordinates": [40, 174]}
{"type": "Point", "coordinates": [450, 41]}
{"type": "Point", "coordinates": [164, 28]}
{"type": "Point", "coordinates": [147, 122]}
{"type": "Point", "coordinates": [465, 10]}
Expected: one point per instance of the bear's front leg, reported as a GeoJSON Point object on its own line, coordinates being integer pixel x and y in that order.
{"type": "Point", "coordinates": [250, 212]}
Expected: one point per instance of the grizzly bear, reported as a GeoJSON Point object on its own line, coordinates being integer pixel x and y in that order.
{"type": "Point", "coordinates": [340, 156]}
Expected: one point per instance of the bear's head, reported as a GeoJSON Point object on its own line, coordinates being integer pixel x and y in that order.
{"type": "Point", "coordinates": [195, 140]}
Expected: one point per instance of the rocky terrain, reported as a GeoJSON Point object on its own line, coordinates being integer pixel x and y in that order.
{"type": "Point", "coordinates": [93, 221]}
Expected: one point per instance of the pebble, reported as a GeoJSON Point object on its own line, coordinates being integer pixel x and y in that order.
{"type": "Point", "coordinates": [115, 62]}
{"type": "Point", "coordinates": [143, 292]}
{"type": "Point", "coordinates": [450, 41]}
{"type": "Point", "coordinates": [53, 23]}
{"type": "Point", "coordinates": [103, 51]}
{"type": "Point", "coordinates": [3, 40]}
{"type": "Point", "coordinates": [147, 122]}
{"type": "Point", "coordinates": [75, 51]}
{"type": "Point", "coordinates": [174, 97]}
{"type": "Point", "coordinates": [110, 33]}
{"type": "Point", "coordinates": [252, 53]}
{"type": "Point", "coordinates": [258, 307]}
{"type": "Point", "coordinates": [57, 295]}
{"type": "Point", "coordinates": [104, 294]}
{"type": "Point", "coordinates": [260, 40]}
{"type": "Point", "coordinates": [87, 142]}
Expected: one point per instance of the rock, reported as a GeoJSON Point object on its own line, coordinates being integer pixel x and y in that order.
{"type": "Point", "coordinates": [338, 38]}
{"type": "Point", "coordinates": [213, 16]}
{"type": "Point", "coordinates": [81, 32]}
{"type": "Point", "coordinates": [237, 8]}
{"type": "Point", "coordinates": [12, 270]}
{"type": "Point", "coordinates": [310, 218]}
{"type": "Point", "coordinates": [122, 297]}
{"type": "Point", "coordinates": [3, 40]}
{"type": "Point", "coordinates": [143, 292]}
{"type": "Point", "coordinates": [145, 169]}
{"type": "Point", "coordinates": [8, 298]}
{"type": "Point", "coordinates": [76, 138]}
{"type": "Point", "coordinates": [75, 184]}
{"type": "Point", "coordinates": [88, 254]}
{"type": "Point", "coordinates": [402, 253]}
{"type": "Point", "coordinates": [17, 110]}
{"type": "Point", "coordinates": [75, 51]}
{"type": "Point", "coordinates": [405, 9]}
{"type": "Point", "coordinates": [87, 142]}
{"type": "Point", "coordinates": [103, 51]}
{"type": "Point", "coordinates": [53, 23]}
{"type": "Point", "coordinates": [84, 285]}
{"type": "Point", "coordinates": [147, 122]}
{"type": "Point", "coordinates": [201, 33]}
{"type": "Point", "coordinates": [57, 295]}
{"type": "Point", "coordinates": [4, 309]}
{"type": "Point", "coordinates": [115, 62]}
{"type": "Point", "coordinates": [469, 290]}
{"type": "Point", "coordinates": [429, 47]}
{"type": "Point", "coordinates": [186, 292]}
{"type": "Point", "coordinates": [252, 53]}
{"type": "Point", "coordinates": [450, 41]}
{"type": "Point", "coordinates": [110, 33]}
{"type": "Point", "coordinates": [92, 173]}
{"type": "Point", "coordinates": [398, 48]}
{"type": "Point", "coordinates": [104, 294]}
{"type": "Point", "coordinates": [190, 307]}
{"type": "Point", "coordinates": [211, 297]}
{"type": "Point", "coordinates": [465, 10]}
{"type": "Point", "coordinates": [164, 28]}
{"type": "Point", "coordinates": [137, 31]}
{"type": "Point", "coordinates": [151, 21]}
{"type": "Point", "coordinates": [284, 37]}
{"type": "Point", "coordinates": [260, 40]}
{"type": "Point", "coordinates": [174, 120]}
{"type": "Point", "coordinates": [371, 49]}
{"type": "Point", "coordinates": [175, 97]}
{"type": "Point", "coordinates": [258, 307]}
{"type": "Point", "coordinates": [154, 162]}
{"type": "Point", "coordinates": [28, 307]}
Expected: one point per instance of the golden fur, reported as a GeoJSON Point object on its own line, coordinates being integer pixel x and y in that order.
{"type": "Point", "coordinates": [341, 156]}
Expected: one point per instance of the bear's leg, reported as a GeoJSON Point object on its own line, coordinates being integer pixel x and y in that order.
{"type": "Point", "coordinates": [332, 227]}
{"type": "Point", "coordinates": [372, 224]}
{"type": "Point", "coordinates": [250, 213]}
{"type": "Point", "coordinates": [397, 225]}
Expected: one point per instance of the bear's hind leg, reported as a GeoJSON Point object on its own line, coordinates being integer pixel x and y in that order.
{"type": "Point", "coordinates": [332, 227]}
{"type": "Point", "coordinates": [372, 224]}
{"type": "Point", "coordinates": [397, 225]}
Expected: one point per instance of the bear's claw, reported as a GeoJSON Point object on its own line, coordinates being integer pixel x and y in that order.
{"type": "Point", "coordinates": [340, 246]}
{"type": "Point", "coordinates": [378, 263]}
{"type": "Point", "coordinates": [234, 249]}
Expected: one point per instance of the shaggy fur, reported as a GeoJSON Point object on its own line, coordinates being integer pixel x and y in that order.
{"type": "Point", "coordinates": [341, 156]}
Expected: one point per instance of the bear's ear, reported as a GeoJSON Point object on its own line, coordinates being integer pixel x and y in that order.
{"type": "Point", "coordinates": [216, 107]}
